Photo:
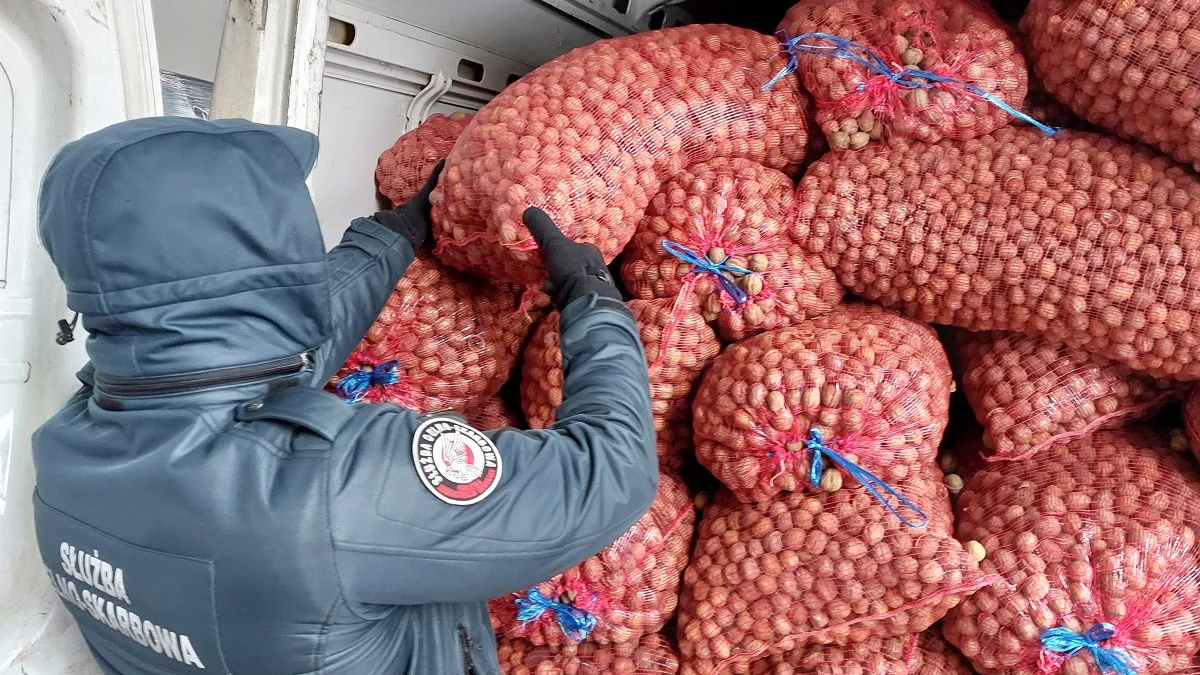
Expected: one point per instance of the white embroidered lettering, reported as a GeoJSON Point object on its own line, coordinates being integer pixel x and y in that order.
{"type": "Point", "coordinates": [119, 586]}
{"type": "Point", "coordinates": [106, 576]}
{"type": "Point", "coordinates": [135, 625]}
{"type": "Point", "coordinates": [123, 622]}
{"type": "Point", "coordinates": [151, 632]}
{"type": "Point", "coordinates": [99, 579]}
{"type": "Point", "coordinates": [189, 654]}
{"type": "Point", "coordinates": [111, 615]}
{"type": "Point", "coordinates": [170, 643]}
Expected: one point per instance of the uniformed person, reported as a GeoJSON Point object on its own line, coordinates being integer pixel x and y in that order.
{"type": "Point", "coordinates": [203, 506]}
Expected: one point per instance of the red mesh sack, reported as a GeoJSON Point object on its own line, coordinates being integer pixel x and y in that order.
{"type": "Point", "coordinates": [591, 135]}
{"type": "Point", "coordinates": [490, 414]}
{"type": "Point", "coordinates": [628, 590]}
{"type": "Point", "coordinates": [690, 345]}
{"type": "Point", "coordinates": [872, 385]}
{"type": "Point", "coordinates": [817, 568]}
{"type": "Point", "coordinates": [919, 69]}
{"type": "Point", "coordinates": [403, 168]}
{"type": "Point", "coordinates": [1086, 240]}
{"type": "Point", "coordinates": [1029, 392]}
{"type": "Point", "coordinates": [719, 232]}
{"type": "Point", "coordinates": [1127, 66]}
{"type": "Point", "coordinates": [443, 341]}
{"type": "Point", "coordinates": [923, 654]}
{"type": "Point", "coordinates": [650, 655]}
{"type": "Point", "coordinates": [1095, 544]}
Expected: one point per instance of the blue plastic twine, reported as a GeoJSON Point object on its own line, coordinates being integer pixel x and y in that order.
{"type": "Point", "coordinates": [1068, 643]}
{"type": "Point", "coordinates": [574, 622]}
{"type": "Point", "coordinates": [842, 48]}
{"type": "Point", "coordinates": [816, 446]}
{"type": "Point", "coordinates": [354, 386]}
{"type": "Point", "coordinates": [703, 265]}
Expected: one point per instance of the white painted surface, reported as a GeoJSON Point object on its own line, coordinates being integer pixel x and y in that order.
{"type": "Point", "coordinates": [189, 35]}
{"type": "Point", "coordinates": [522, 30]}
{"type": "Point", "coordinates": [368, 88]}
{"type": "Point", "coordinates": [62, 77]}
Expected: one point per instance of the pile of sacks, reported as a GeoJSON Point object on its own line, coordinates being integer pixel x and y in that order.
{"type": "Point", "coordinates": [784, 299]}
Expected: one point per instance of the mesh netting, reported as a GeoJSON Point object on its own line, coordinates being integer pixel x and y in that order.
{"type": "Point", "coordinates": [651, 655]}
{"type": "Point", "coordinates": [923, 654]}
{"type": "Point", "coordinates": [443, 341]}
{"type": "Point", "coordinates": [817, 568]}
{"type": "Point", "coordinates": [873, 385]}
{"type": "Point", "coordinates": [720, 232]}
{"type": "Point", "coordinates": [919, 69]}
{"type": "Point", "coordinates": [1095, 544]}
{"type": "Point", "coordinates": [1083, 239]}
{"type": "Point", "coordinates": [490, 414]}
{"type": "Point", "coordinates": [628, 590]}
{"type": "Point", "coordinates": [591, 135]}
{"type": "Point", "coordinates": [403, 168]}
{"type": "Point", "coordinates": [1128, 66]}
{"type": "Point", "coordinates": [1029, 392]}
{"type": "Point", "coordinates": [690, 345]}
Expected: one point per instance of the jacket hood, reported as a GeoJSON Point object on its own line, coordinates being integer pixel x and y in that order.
{"type": "Point", "coordinates": [188, 245]}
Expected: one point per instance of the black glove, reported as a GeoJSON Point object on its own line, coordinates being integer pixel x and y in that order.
{"type": "Point", "coordinates": [411, 219]}
{"type": "Point", "coordinates": [574, 269]}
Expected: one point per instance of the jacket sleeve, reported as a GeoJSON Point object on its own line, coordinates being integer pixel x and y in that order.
{"type": "Point", "coordinates": [563, 494]}
{"type": "Point", "coordinates": [363, 270]}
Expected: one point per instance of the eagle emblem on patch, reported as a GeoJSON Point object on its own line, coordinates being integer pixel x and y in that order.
{"type": "Point", "coordinates": [455, 461]}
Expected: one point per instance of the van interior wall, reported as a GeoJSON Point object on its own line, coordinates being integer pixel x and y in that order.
{"type": "Point", "coordinates": [395, 48]}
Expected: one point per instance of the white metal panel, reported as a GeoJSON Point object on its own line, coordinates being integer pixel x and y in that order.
{"type": "Point", "coordinates": [62, 77]}
{"type": "Point", "coordinates": [6, 159]}
{"type": "Point", "coordinates": [367, 91]}
{"type": "Point", "coordinates": [523, 30]}
{"type": "Point", "coordinates": [191, 31]}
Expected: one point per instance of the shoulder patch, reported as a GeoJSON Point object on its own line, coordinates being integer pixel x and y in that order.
{"type": "Point", "coordinates": [456, 462]}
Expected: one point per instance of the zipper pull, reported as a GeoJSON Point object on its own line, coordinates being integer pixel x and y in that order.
{"type": "Point", "coordinates": [66, 331]}
{"type": "Point", "coordinates": [468, 660]}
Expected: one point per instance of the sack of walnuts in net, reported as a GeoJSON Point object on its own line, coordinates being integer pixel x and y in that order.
{"type": "Point", "coordinates": [590, 136]}
{"type": "Point", "coordinates": [649, 655]}
{"type": "Point", "coordinates": [1126, 66]}
{"type": "Point", "coordinates": [491, 414]}
{"type": "Point", "coordinates": [1095, 543]}
{"type": "Point", "coordinates": [444, 341]}
{"type": "Point", "coordinates": [904, 69]}
{"type": "Point", "coordinates": [861, 390]}
{"type": "Point", "coordinates": [720, 232]}
{"type": "Point", "coordinates": [628, 590]}
{"type": "Point", "coordinates": [922, 654]}
{"type": "Point", "coordinates": [812, 569]}
{"type": "Point", "coordinates": [1029, 392]}
{"type": "Point", "coordinates": [678, 345]}
{"type": "Point", "coordinates": [1083, 239]}
{"type": "Point", "coordinates": [403, 168]}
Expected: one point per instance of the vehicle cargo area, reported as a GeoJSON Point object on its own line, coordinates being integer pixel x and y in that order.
{"type": "Point", "coordinates": [916, 283]}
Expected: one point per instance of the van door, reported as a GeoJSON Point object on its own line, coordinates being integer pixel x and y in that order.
{"type": "Point", "coordinates": [67, 67]}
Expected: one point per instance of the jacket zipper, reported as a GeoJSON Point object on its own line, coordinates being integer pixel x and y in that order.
{"type": "Point", "coordinates": [209, 379]}
{"type": "Point", "coordinates": [468, 660]}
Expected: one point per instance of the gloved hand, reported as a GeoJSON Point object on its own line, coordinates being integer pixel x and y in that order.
{"type": "Point", "coordinates": [411, 219]}
{"type": "Point", "coordinates": [574, 269]}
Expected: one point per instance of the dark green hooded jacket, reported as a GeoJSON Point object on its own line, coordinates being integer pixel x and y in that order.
{"type": "Point", "coordinates": [201, 504]}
